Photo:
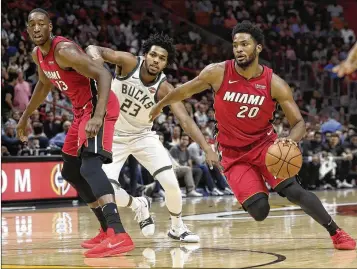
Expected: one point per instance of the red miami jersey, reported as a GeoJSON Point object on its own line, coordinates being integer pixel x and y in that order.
{"type": "Point", "coordinates": [244, 108]}
{"type": "Point", "coordinates": [79, 89]}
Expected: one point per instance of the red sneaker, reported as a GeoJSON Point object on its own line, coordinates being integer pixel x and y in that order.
{"type": "Point", "coordinates": [91, 243]}
{"type": "Point", "coordinates": [113, 245]}
{"type": "Point", "coordinates": [342, 240]}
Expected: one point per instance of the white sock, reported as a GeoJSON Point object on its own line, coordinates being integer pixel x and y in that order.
{"type": "Point", "coordinates": [173, 196]}
{"type": "Point", "coordinates": [135, 203]}
{"type": "Point", "coordinates": [122, 198]}
{"type": "Point", "coordinates": [176, 221]}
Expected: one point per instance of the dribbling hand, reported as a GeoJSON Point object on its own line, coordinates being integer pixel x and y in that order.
{"type": "Point", "coordinates": [285, 140]}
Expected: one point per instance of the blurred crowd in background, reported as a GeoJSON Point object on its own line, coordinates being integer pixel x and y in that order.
{"type": "Point", "coordinates": [304, 40]}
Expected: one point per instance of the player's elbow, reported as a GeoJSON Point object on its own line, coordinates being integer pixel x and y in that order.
{"type": "Point", "coordinates": [102, 74]}
{"type": "Point", "coordinates": [303, 126]}
{"type": "Point", "coordinates": [90, 48]}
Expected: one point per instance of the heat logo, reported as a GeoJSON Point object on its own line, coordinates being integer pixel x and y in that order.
{"type": "Point", "coordinates": [59, 185]}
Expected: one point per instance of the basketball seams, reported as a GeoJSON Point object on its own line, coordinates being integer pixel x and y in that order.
{"type": "Point", "coordinates": [277, 174]}
{"type": "Point", "coordinates": [293, 157]}
{"type": "Point", "coordinates": [286, 161]}
{"type": "Point", "coordinates": [293, 165]}
{"type": "Point", "coordinates": [274, 157]}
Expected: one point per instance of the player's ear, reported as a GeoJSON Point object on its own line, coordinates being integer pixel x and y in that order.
{"type": "Point", "coordinates": [259, 48]}
{"type": "Point", "coordinates": [50, 26]}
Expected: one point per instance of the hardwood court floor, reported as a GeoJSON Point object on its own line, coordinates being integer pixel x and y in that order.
{"type": "Point", "coordinates": [50, 238]}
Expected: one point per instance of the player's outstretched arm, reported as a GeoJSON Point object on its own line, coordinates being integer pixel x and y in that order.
{"type": "Point", "coordinates": [42, 88]}
{"type": "Point", "coordinates": [281, 92]}
{"type": "Point", "coordinates": [189, 126]}
{"type": "Point", "coordinates": [349, 65]}
{"type": "Point", "coordinates": [69, 55]}
{"type": "Point", "coordinates": [111, 56]}
{"type": "Point", "coordinates": [200, 83]}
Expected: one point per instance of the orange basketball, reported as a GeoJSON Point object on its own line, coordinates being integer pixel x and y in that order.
{"type": "Point", "coordinates": [283, 160]}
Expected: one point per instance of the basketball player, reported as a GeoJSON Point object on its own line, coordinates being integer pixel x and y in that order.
{"type": "Point", "coordinates": [246, 95]}
{"type": "Point", "coordinates": [139, 84]}
{"type": "Point", "coordinates": [63, 64]}
{"type": "Point", "coordinates": [349, 65]}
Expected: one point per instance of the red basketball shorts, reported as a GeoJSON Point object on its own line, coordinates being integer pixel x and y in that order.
{"type": "Point", "coordinates": [246, 171]}
{"type": "Point", "coordinates": [76, 141]}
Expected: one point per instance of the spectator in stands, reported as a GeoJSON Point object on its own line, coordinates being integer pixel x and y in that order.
{"type": "Point", "coordinates": [335, 10]}
{"type": "Point", "coordinates": [58, 139]}
{"type": "Point", "coordinates": [39, 135]}
{"type": "Point", "coordinates": [22, 93]}
{"type": "Point", "coordinates": [176, 136]}
{"type": "Point", "coordinates": [185, 173]}
{"type": "Point", "coordinates": [348, 35]}
{"type": "Point", "coordinates": [330, 124]}
{"type": "Point", "coordinates": [4, 151]}
{"type": "Point", "coordinates": [7, 96]}
{"type": "Point", "coordinates": [182, 156]}
{"type": "Point", "coordinates": [9, 140]}
{"type": "Point", "coordinates": [311, 108]}
{"type": "Point", "coordinates": [351, 148]}
{"type": "Point", "coordinates": [200, 115]}
{"type": "Point", "coordinates": [332, 63]}
{"type": "Point", "coordinates": [51, 126]}
{"type": "Point", "coordinates": [310, 170]}
{"type": "Point", "coordinates": [334, 162]}
{"type": "Point", "coordinates": [35, 117]}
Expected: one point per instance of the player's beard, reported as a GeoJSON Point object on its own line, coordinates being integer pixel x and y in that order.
{"type": "Point", "coordinates": [148, 70]}
{"type": "Point", "coordinates": [248, 62]}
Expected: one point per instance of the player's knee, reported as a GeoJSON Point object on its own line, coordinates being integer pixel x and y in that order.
{"type": "Point", "coordinates": [259, 210]}
{"type": "Point", "coordinates": [90, 166]}
{"type": "Point", "coordinates": [71, 168]}
{"type": "Point", "coordinates": [168, 181]}
{"type": "Point", "coordinates": [294, 192]}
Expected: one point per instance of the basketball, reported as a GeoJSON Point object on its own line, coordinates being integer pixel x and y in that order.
{"type": "Point", "coordinates": [283, 160]}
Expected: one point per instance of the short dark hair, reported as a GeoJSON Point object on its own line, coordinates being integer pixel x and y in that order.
{"type": "Point", "coordinates": [163, 41]}
{"type": "Point", "coordinates": [12, 76]}
{"type": "Point", "coordinates": [318, 133]}
{"type": "Point", "coordinates": [40, 10]}
{"type": "Point", "coordinates": [184, 134]}
{"type": "Point", "coordinates": [249, 28]}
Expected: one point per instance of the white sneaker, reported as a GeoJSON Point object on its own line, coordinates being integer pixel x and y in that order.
{"type": "Point", "coordinates": [216, 192]}
{"type": "Point", "coordinates": [143, 217]}
{"type": "Point", "coordinates": [194, 193]}
{"type": "Point", "coordinates": [346, 184]}
{"type": "Point", "coordinates": [228, 191]}
{"type": "Point", "coordinates": [183, 195]}
{"type": "Point", "coordinates": [183, 234]}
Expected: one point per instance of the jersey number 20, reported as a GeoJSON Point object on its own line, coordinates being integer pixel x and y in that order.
{"type": "Point", "coordinates": [126, 106]}
{"type": "Point", "coordinates": [251, 113]}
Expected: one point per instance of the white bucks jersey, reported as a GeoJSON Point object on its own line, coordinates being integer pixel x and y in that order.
{"type": "Point", "coordinates": [136, 100]}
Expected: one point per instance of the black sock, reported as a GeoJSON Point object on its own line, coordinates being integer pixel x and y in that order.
{"type": "Point", "coordinates": [100, 216]}
{"type": "Point", "coordinates": [111, 214]}
{"type": "Point", "coordinates": [311, 205]}
{"type": "Point", "coordinates": [331, 227]}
